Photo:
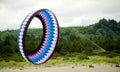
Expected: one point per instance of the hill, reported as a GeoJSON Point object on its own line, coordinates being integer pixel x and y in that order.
{"type": "Point", "coordinates": [101, 37]}
{"type": "Point", "coordinates": [105, 34]}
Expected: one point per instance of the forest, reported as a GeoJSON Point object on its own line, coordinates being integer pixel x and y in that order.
{"type": "Point", "coordinates": [101, 38]}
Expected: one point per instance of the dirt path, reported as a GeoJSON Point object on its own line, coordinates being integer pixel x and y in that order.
{"type": "Point", "coordinates": [96, 68]}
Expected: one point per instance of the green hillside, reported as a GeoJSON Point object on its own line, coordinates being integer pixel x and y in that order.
{"type": "Point", "coordinates": [104, 34]}
{"type": "Point", "coordinates": [102, 37]}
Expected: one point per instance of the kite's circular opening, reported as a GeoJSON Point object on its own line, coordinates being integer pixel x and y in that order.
{"type": "Point", "coordinates": [33, 37]}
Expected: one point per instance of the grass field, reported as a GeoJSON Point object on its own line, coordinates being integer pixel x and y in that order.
{"type": "Point", "coordinates": [77, 60]}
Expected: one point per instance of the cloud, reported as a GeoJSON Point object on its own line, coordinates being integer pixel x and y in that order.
{"type": "Point", "coordinates": [68, 12]}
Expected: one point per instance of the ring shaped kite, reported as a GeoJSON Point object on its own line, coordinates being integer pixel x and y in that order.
{"type": "Point", "coordinates": [49, 40]}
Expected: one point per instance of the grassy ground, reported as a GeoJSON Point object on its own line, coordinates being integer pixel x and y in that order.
{"type": "Point", "coordinates": [78, 60]}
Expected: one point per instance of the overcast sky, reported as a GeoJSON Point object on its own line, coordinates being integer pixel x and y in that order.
{"type": "Point", "coordinates": [68, 12]}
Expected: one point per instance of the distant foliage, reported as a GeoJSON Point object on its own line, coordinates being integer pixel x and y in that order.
{"type": "Point", "coordinates": [103, 36]}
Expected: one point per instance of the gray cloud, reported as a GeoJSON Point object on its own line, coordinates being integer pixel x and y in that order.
{"type": "Point", "coordinates": [68, 12]}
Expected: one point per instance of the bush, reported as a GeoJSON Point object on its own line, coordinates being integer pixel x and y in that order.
{"type": "Point", "coordinates": [82, 57]}
{"type": "Point", "coordinates": [11, 57]}
{"type": "Point", "coordinates": [111, 55]}
{"type": "Point", "coordinates": [55, 55]}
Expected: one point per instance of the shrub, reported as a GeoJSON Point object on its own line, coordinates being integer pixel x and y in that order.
{"type": "Point", "coordinates": [82, 57]}
{"type": "Point", "coordinates": [111, 55]}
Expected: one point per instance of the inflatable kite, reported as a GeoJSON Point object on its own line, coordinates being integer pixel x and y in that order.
{"type": "Point", "coordinates": [49, 40]}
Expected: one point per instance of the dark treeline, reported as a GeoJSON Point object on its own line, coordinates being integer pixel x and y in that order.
{"type": "Point", "coordinates": [101, 37]}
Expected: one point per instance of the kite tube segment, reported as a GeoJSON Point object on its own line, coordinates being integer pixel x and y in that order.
{"type": "Point", "coordinates": [49, 39]}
